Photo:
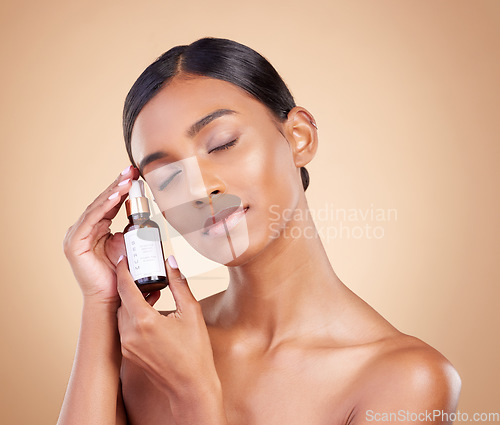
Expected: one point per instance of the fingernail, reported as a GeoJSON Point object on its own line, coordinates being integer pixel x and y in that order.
{"type": "Point", "coordinates": [126, 170]}
{"type": "Point", "coordinates": [172, 262]}
{"type": "Point", "coordinates": [123, 182]}
{"type": "Point", "coordinates": [113, 196]}
{"type": "Point", "coordinates": [121, 258]}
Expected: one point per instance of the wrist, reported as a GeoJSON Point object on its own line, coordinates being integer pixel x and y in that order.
{"type": "Point", "coordinates": [90, 303]}
{"type": "Point", "coordinates": [202, 386]}
{"type": "Point", "coordinates": [203, 404]}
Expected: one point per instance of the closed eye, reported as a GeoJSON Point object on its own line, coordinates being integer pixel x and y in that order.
{"type": "Point", "coordinates": [166, 182]}
{"type": "Point", "coordinates": [226, 146]}
{"type": "Point", "coordinates": [219, 148]}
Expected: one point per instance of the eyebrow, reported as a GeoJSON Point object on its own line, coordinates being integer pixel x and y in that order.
{"type": "Point", "coordinates": [191, 132]}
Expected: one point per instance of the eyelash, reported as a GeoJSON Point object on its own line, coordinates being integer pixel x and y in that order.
{"type": "Point", "coordinates": [219, 148]}
{"type": "Point", "coordinates": [166, 182]}
{"type": "Point", "coordinates": [226, 146]}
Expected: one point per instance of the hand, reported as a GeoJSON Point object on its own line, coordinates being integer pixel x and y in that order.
{"type": "Point", "coordinates": [92, 250]}
{"type": "Point", "coordinates": [174, 350]}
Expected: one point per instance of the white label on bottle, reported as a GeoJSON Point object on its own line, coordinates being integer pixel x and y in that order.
{"type": "Point", "coordinates": [144, 253]}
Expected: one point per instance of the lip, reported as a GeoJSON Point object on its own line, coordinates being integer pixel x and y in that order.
{"type": "Point", "coordinates": [224, 220]}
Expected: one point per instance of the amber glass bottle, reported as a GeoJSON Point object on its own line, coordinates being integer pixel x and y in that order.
{"type": "Point", "coordinates": [143, 242]}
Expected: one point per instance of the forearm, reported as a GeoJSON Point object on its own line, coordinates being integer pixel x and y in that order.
{"type": "Point", "coordinates": [93, 385]}
{"type": "Point", "coordinates": [203, 406]}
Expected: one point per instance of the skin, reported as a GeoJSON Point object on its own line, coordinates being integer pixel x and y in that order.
{"type": "Point", "coordinates": [287, 342]}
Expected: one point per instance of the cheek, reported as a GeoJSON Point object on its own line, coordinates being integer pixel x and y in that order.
{"type": "Point", "coordinates": [267, 165]}
{"type": "Point", "coordinates": [272, 181]}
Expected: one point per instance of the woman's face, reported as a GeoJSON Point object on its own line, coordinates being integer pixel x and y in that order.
{"type": "Point", "coordinates": [237, 161]}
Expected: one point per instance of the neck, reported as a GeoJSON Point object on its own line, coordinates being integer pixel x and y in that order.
{"type": "Point", "coordinates": [288, 289]}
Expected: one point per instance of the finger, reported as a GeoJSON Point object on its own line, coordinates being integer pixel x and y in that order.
{"type": "Point", "coordinates": [115, 246]}
{"type": "Point", "coordinates": [100, 229]}
{"type": "Point", "coordinates": [130, 295]}
{"type": "Point", "coordinates": [128, 173]}
{"type": "Point", "coordinates": [103, 207]}
{"type": "Point", "coordinates": [152, 297]}
{"type": "Point", "coordinates": [123, 318]}
{"type": "Point", "coordinates": [183, 297]}
{"type": "Point", "coordinates": [133, 174]}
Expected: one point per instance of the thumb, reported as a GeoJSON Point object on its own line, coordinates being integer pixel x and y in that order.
{"type": "Point", "coordinates": [115, 247]}
{"type": "Point", "coordinates": [184, 298]}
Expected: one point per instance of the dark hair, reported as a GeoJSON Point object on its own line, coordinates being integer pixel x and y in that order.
{"type": "Point", "coordinates": [216, 58]}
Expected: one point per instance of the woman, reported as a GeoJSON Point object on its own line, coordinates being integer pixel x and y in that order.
{"type": "Point", "coordinates": [287, 342]}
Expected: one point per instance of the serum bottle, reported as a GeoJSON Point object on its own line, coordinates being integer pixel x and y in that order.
{"type": "Point", "coordinates": [143, 242]}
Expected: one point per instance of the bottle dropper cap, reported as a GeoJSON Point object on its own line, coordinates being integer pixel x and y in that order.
{"type": "Point", "coordinates": [137, 202]}
{"type": "Point", "coordinates": [137, 189]}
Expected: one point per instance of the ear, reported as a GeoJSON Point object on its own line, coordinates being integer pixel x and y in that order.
{"type": "Point", "coordinates": [302, 133]}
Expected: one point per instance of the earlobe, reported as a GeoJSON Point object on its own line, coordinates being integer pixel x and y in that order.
{"type": "Point", "coordinates": [304, 138]}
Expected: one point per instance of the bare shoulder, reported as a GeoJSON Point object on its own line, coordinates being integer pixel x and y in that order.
{"type": "Point", "coordinates": [417, 361]}
{"type": "Point", "coordinates": [408, 374]}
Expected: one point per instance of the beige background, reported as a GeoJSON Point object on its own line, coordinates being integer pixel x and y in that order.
{"type": "Point", "coordinates": [406, 97]}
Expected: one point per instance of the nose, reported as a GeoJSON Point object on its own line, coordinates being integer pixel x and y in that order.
{"type": "Point", "coordinates": [208, 187]}
{"type": "Point", "coordinates": [200, 203]}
